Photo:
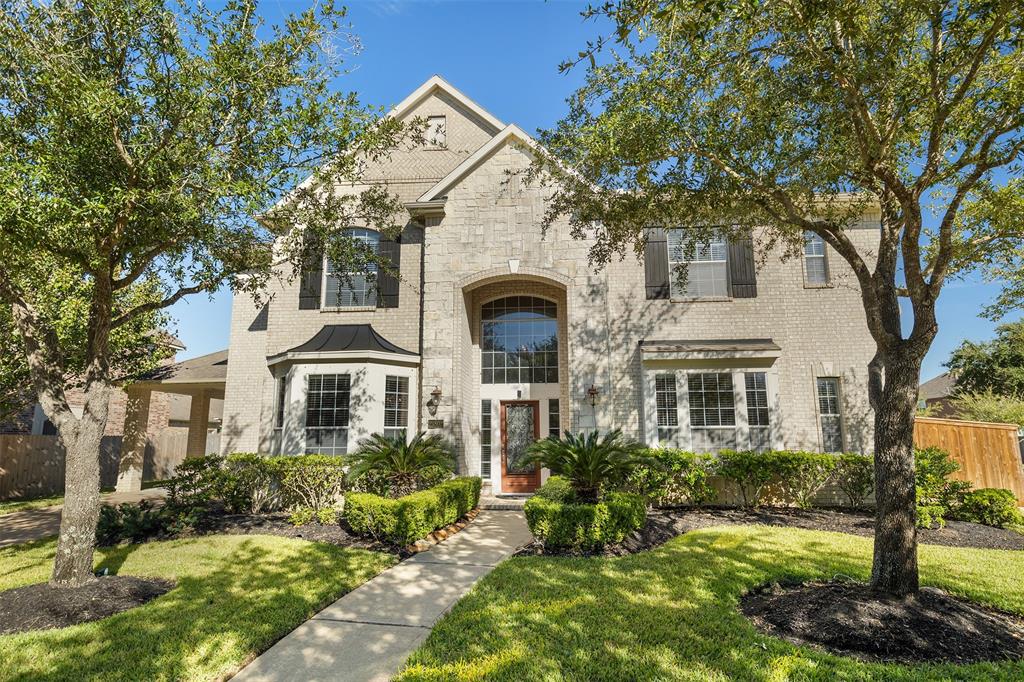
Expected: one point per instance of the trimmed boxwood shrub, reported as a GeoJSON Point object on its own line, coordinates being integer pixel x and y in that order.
{"type": "Point", "coordinates": [673, 477]}
{"type": "Point", "coordinates": [406, 519]}
{"type": "Point", "coordinates": [749, 471]}
{"type": "Point", "coordinates": [802, 474]}
{"type": "Point", "coordinates": [855, 476]}
{"type": "Point", "coordinates": [990, 506]}
{"type": "Point", "coordinates": [583, 527]}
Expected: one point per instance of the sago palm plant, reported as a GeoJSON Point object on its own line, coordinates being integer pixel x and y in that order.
{"type": "Point", "coordinates": [589, 461]}
{"type": "Point", "coordinates": [401, 464]}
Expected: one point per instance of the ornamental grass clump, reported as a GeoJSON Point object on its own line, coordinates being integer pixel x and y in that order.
{"type": "Point", "coordinates": [392, 467]}
{"type": "Point", "coordinates": [591, 463]}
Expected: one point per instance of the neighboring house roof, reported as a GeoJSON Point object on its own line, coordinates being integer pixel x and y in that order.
{"type": "Point", "coordinates": [936, 388]}
{"type": "Point", "coordinates": [341, 341]}
{"type": "Point", "coordinates": [180, 406]}
{"type": "Point", "coordinates": [210, 368]}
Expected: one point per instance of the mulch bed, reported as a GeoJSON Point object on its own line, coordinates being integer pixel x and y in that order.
{"type": "Point", "coordinates": [41, 607]}
{"type": "Point", "coordinates": [665, 524]}
{"type": "Point", "coordinates": [276, 523]}
{"type": "Point", "coordinates": [848, 619]}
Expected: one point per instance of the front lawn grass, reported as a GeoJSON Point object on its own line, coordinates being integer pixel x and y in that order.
{"type": "Point", "coordinates": [11, 506]}
{"type": "Point", "coordinates": [235, 596]}
{"type": "Point", "coordinates": [671, 613]}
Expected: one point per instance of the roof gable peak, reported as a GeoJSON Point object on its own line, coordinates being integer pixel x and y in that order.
{"type": "Point", "coordinates": [435, 83]}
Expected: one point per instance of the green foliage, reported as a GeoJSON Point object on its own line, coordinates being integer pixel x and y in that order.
{"type": "Point", "coordinates": [251, 483]}
{"type": "Point", "coordinates": [585, 527]}
{"type": "Point", "coordinates": [197, 482]}
{"type": "Point", "coordinates": [591, 462]}
{"type": "Point", "coordinates": [750, 472]}
{"type": "Point", "coordinates": [995, 367]}
{"type": "Point", "coordinates": [556, 489]}
{"type": "Point", "coordinates": [990, 506]}
{"type": "Point", "coordinates": [673, 477]}
{"type": "Point", "coordinates": [987, 406]}
{"type": "Point", "coordinates": [937, 495]}
{"type": "Point", "coordinates": [395, 467]}
{"type": "Point", "coordinates": [306, 515]}
{"type": "Point", "coordinates": [132, 523]}
{"type": "Point", "coordinates": [406, 519]}
{"type": "Point", "coordinates": [803, 474]}
{"type": "Point", "coordinates": [310, 481]}
{"type": "Point", "coordinates": [855, 476]}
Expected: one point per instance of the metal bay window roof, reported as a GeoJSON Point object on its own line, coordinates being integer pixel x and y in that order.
{"type": "Point", "coordinates": [345, 341]}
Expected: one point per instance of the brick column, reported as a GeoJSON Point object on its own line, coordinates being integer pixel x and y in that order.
{"type": "Point", "coordinates": [133, 445]}
{"type": "Point", "coordinates": [198, 424]}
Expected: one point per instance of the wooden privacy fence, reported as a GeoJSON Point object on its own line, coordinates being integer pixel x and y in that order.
{"type": "Point", "coordinates": [33, 466]}
{"type": "Point", "coordinates": [989, 454]}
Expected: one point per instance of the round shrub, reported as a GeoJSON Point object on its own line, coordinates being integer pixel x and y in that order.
{"type": "Point", "coordinates": [990, 506]}
{"type": "Point", "coordinates": [855, 476]}
{"type": "Point", "coordinates": [673, 477]}
{"type": "Point", "coordinates": [581, 527]}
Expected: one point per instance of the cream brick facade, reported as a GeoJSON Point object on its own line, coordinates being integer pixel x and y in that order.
{"type": "Point", "coordinates": [480, 238]}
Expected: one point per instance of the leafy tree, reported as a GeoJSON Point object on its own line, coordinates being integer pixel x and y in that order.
{"type": "Point", "coordinates": [63, 302]}
{"type": "Point", "coordinates": [589, 461]}
{"type": "Point", "coordinates": [987, 406]}
{"type": "Point", "coordinates": [995, 366]}
{"type": "Point", "coordinates": [793, 117]}
{"type": "Point", "coordinates": [145, 143]}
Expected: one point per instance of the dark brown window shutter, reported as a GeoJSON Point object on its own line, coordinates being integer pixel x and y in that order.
{"type": "Point", "coordinates": [743, 274]}
{"type": "Point", "coordinates": [311, 278]}
{"type": "Point", "coordinates": [656, 264]}
{"type": "Point", "coordinates": [387, 283]}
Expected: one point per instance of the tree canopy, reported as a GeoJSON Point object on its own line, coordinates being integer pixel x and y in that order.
{"type": "Point", "coordinates": [995, 366]}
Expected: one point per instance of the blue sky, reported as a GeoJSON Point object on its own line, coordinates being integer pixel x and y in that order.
{"type": "Point", "coordinates": [505, 55]}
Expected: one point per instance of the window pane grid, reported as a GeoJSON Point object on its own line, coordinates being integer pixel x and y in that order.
{"type": "Point", "coordinates": [327, 413]}
{"type": "Point", "coordinates": [554, 418]}
{"type": "Point", "coordinates": [814, 259]}
{"type": "Point", "coordinates": [666, 403]}
{"type": "Point", "coordinates": [831, 416]}
{"type": "Point", "coordinates": [282, 385]}
{"type": "Point", "coordinates": [519, 341]}
{"type": "Point", "coordinates": [359, 288]}
{"type": "Point", "coordinates": [758, 418]}
{"type": "Point", "coordinates": [706, 270]}
{"type": "Point", "coordinates": [712, 411]}
{"type": "Point", "coordinates": [396, 406]}
{"type": "Point", "coordinates": [485, 438]}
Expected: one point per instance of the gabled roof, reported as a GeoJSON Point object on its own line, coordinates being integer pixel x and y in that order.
{"type": "Point", "coordinates": [344, 341]}
{"type": "Point", "coordinates": [209, 368]}
{"type": "Point", "coordinates": [937, 387]}
{"type": "Point", "coordinates": [433, 83]}
{"type": "Point", "coordinates": [511, 131]}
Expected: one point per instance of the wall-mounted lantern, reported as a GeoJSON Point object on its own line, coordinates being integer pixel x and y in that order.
{"type": "Point", "coordinates": [435, 400]}
{"type": "Point", "coordinates": [592, 395]}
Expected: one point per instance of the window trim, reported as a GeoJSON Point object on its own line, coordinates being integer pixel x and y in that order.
{"type": "Point", "coordinates": [398, 411]}
{"type": "Point", "coordinates": [325, 273]}
{"type": "Point", "coordinates": [679, 297]}
{"type": "Point", "coordinates": [305, 425]}
{"type": "Point", "coordinates": [282, 397]}
{"type": "Point", "coordinates": [431, 142]}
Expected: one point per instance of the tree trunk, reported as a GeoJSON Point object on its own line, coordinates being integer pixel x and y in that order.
{"type": "Point", "coordinates": [894, 570]}
{"type": "Point", "coordinates": [82, 438]}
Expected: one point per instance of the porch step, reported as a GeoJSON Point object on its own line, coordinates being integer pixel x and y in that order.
{"type": "Point", "coordinates": [503, 502]}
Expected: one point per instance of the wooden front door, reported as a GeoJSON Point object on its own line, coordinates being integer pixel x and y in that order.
{"type": "Point", "coordinates": [520, 427]}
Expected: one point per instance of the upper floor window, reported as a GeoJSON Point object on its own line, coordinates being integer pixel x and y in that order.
{"type": "Point", "coordinates": [352, 289]}
{"type": "Point", "coordinates": [437, 131]}
{"type": "Point", "coordinates": [815, 260]}
{"type": "Point", "coordinates": [706, 263]}
{"type": "Point", "coordinates": [519, 341]}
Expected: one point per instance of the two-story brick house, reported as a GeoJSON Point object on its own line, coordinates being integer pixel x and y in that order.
{"type": "Point", "coordinates": [497, 334]}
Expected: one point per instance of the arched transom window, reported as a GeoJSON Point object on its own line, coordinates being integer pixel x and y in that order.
{"type": "Point", "coordinates": [519, 341]}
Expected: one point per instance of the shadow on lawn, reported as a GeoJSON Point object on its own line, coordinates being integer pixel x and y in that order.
{"type": "Point", "coordinates": [219, 614]}
{"type": "Point", "coordinates": [670, 613]}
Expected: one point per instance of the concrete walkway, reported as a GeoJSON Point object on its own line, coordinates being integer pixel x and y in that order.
{"type": "Point", "coordinates": [368, 633]}
{"type": "Point", "coordinates": [36, 524]}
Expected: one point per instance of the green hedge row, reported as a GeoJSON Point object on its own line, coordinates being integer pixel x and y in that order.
{"type": "Point", "coordinates": [562, 524]}
{"type": "Point", "coordinates": [674, 477]}
{"type": "Point", "coordinates": [406, 519]}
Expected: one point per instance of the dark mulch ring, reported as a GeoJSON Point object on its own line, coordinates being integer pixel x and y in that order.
{"type": "Point", "coordinates": [41, 607]}
{"type": "Point", "coordinates": [848, 619]}
{"type": "Point", "coordinates": [276, 523]}
{"type": "Point", "coordinates": [665, 524]}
